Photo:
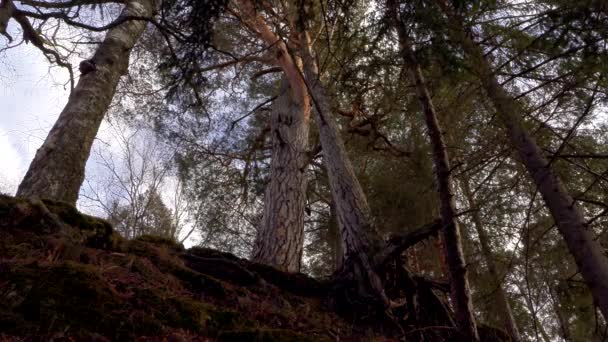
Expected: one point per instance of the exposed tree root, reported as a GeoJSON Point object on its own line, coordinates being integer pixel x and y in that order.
{"type": "Point", "coordinates": [59, 267]}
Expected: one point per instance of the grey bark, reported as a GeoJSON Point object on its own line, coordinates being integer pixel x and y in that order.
{"type": "Point", "coordinates": [360, 240]}
{"type": "Point", "coordinates": [334, 238]}
{"type": "Point", "coordinates": [57, 171]}
{"type": "Point", "coordinates": [459, 284]}
{"type": "Point", "coordinates": [587, 252]}
{"type": "Point", "coordinates": [505, 313]}
{"type": "Point", "coordinates": [281, 236]}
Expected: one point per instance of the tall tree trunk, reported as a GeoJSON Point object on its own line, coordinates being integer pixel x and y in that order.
{"type": "Point", "coordinates": [57, 171]}
{"type": "Point", "coordinates": [559, 314]}
{"type": "Point", "coordinates": [459, 283]}
{"type": "Point", "coordinates": [505, 314]}
{"type": "Point", "coordinates": [281, 237]}
{"type": "Point", "coordinates": [337, 255]}
{"type": "Point", "coordinates": [537, 325]}
{"type": "Point", "coordinates": [588, 254]}
{"type": "Point", "coordinates": [360, 240]}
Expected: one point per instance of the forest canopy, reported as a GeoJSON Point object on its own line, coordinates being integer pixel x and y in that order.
{"type": "Point", "coordinates": [440, 163]}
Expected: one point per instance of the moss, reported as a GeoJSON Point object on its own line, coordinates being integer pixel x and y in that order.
{"type": "Point", "coordinates": [171, 310]}
{"type": "Point", "coordinates": [193, 315]}
{"type": "Point", "coordinates": [219, 321]}
{"type": "Point", "coordinates": [296, 283]}
{"type": "Point", "coordinates": [97, 232]}
{"type": "Point", "coordinates": [154, 290]}
{"type": "Point", "coordinates": [161, 241]}
{"type": "Point", "coordinates": [10, 321]}
{"type": "Point", "coordinates": [7, 203]}
{"type": "Point", "coordinates": [19, 250]}
{"type": "Point", "coordinates": [489, 333]}
{"type": "Point", "coordinates": [142, 249]}
{"type": "Point", "coordinates": [67, 297]}
{"type": "Point", "coordinates": [197, 282]}
{"type": "Point", "coordinates": [263, 335]}
{"type": "Point", "coordinates": [74, 299]}
{"type": "Point", "coordinates": [212, 253]}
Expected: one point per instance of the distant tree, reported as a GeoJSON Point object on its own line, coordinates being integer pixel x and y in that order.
{"type": "Point", "coordinates": [147, 216]}
{"type": "Point", "coordinates": [126, 184]}
{"type": "Point", "coordinates": [6, 186]}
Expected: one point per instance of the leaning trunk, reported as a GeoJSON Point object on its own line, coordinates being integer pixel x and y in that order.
{"type": "Point", "coordinates": [505, 314]}
{"type": "Point", "coordinates": [587, 252]}
{"type": "Point", "coordinates": [57, 171]}
{"type": "Point", "coordinates": [334, 238]}
{"type": "Point", "coordinates": [459, 283]}
{"type": "Point", "coordinates": [360, 240]}
{"type": "Point", "coordinates": [280, 240]}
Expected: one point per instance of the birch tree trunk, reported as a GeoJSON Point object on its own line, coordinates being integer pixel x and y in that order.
{"type": "Point", "coordinates": [504, 308]}
{"type": "Point", "coordinates": [587, 252]}
{"type": "Point", "coordinates": [459, 283]}
{"type": "Point", "coordinates": [57, 171]}
{"type": "Point", "coordinates": [281, 237]}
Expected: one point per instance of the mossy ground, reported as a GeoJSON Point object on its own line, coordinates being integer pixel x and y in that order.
{"type": "Point", "coordinates": [69, 276]}
{"type": "Point", "coordinates": [65, 274]}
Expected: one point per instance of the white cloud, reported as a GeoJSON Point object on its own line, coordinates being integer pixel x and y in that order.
{"type": "Point", "coordinates": [31, 98]}
{"type": "Point", "coordinates": [10, 159]}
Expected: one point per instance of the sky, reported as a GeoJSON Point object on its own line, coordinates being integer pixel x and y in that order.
{"type": "Point", "coordinates": [31, 98]}
{"type": "Point", "coordinates": [32, 95]}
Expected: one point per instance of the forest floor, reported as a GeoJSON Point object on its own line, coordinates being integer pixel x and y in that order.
{"type": "Point", "coordinates": [66, 276]}
{"type": "Point", "coordinates": [69, 276]}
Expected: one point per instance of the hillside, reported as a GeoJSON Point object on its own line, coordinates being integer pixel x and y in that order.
{"type": "Point", "coordinates": [64, 274]}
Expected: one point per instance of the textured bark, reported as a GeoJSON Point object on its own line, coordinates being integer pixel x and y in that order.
{"type": "Point", "coordinates": [337, 255]}
{"type": "Point", "coordinates": [505, 314]}
{"type": "Point", "coordinates": [57, 171]}
{"type": "Point", "coordinates": [459, 283]}
{"type": "Point", "coordinates": [360, 241]}
{"type": "Point", "coordinates": [281, 237]}
{"type": "Point", "coordinates": [277, 45]}
{"type": "Point", "coordinates": [587, 253]}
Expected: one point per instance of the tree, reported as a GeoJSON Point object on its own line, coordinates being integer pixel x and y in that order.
{"type": "Point", "coordinates": [281, 236]}
{"type": "Point", "coordinates": [126, 184]}
{"type": "Point", "coordinates": [152, 218]}
{"type": "Point", "coordinates": [502, 302]}
{"type": "Point", "coordinates": [360, 240]}
{"type": "Point", "coordinates": [57, 171]}
{"type": "Point", "coordinates": [452, 241]}
{"type": "Point", "coordinates": [354, 194]}
{"type": "Point", "coordinates": [588, 254]}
